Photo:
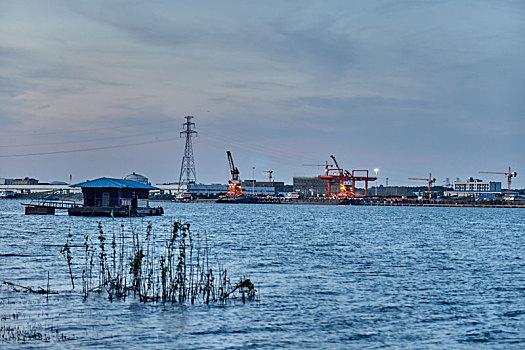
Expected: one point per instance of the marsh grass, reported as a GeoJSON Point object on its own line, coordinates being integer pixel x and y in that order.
{"type": "Point", "coordinates": [15, 328]}
{"type": "Point", "coordinates": [135, 262]}
{"type": "Point", "coordinates": [176, 269]}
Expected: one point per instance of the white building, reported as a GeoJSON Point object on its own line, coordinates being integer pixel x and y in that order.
{"type": "Point", "coordinates": [474, 188]}
{"type": "Point", "coordinates": [194, 189]}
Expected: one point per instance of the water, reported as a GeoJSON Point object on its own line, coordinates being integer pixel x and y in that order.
{"type": "Point", "coordinates": [330, 277]}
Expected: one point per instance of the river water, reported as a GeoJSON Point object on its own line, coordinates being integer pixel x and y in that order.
{"type": "Point", "coordinates": [329, 277]}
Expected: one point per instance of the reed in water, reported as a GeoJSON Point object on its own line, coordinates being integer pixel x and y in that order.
{"type": "Point", "coordinates": [178, 268]}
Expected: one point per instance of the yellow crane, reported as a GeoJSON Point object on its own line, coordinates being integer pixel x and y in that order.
{"type": "Point", "coordinates": [430, 181]}
{"type": "Point", "coordinates": [509, 175]}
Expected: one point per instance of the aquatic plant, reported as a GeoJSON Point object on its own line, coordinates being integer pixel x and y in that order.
{"type": "Point", "coordinates": [66, 251]}
{"type": "Point", "coordinates": [178, 269]}
{"type": "Point", "coordinates": [15, 328]}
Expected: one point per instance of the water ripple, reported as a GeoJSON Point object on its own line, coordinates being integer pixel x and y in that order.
{"type": "Point", "coordinates": [329, 276]}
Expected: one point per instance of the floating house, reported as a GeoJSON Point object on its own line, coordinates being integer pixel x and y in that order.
{"type": "Point", "coordinates": [115, 197]}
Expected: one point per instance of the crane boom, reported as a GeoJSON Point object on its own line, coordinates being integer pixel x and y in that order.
{"type": "Point", "coordinates": [493, 172]}
{"type": "Point", "coordinates": [341, 171]}
{"type": "Point", "coordinates": [233, 170]}
{"type": "Point", "coordinates": [235, 189]}
{"type": "Point", "coordinates": [335, 161]}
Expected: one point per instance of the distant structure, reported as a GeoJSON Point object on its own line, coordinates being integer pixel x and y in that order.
{"type": "Point", "coordinates": [196, 190]}
{"type": "Point", "coordinates": [475, 188]}
{"type": "Point", "coordinates": [266, 187]}
{"type": "Point", "coordinates": [137, 178]}
{"type": "Point", "coordinates": [187, 169]}
{"type": "Point", "coordinates": [311, 186]}
{"type": "Point", "coordinates": [4, 181]}
{"type": "Point", "coordinates": [430, 180]}
{"type": "Point", "coordinates": [25, 181]}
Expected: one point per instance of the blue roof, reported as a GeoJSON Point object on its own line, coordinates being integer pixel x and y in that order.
{"type": "Point", "coordinates": [106, 182]}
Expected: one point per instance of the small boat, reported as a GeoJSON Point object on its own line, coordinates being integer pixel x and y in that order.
{"type": "Point", "coordinates": [7, 194]}
{"type": "Point", "coordinates": [184, 196]}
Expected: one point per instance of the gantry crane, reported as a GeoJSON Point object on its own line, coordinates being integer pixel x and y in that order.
{"type": "Point", "coordinates": [346, 180]}
{"type": "Point", "coordinates": [430, 181]}
{"type": "Point", "coordinates": [235, 189]}
{"type": "Point", "coordinates": [270, 172]}
{"type": "Point", "coordinates": [509, 175]}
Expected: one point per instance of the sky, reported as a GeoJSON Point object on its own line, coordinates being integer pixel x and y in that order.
{"type": "Point", "coordinates": [101, 88]}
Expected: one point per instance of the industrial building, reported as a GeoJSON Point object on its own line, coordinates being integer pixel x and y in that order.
{"type": "Point", "coordinates": [137, 178]}
{"type": "Point", "coordinates": [4, 181]}
{"type": "Point", "coordinates": [193, 189]}
{"type": "Point", "coordinates": [25, 181]}
{"type": "Point", "coordinates": [311, 186]}
{"type": "Point", "coordinates": [266, 187]}
{"type": "Point", "coordinates": [475, 188]}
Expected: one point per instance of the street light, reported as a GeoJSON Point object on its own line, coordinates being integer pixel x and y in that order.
{"type": "Point", "coordinates": [376, 170]}
{"type": "Point", "coordinates": [253, 181]}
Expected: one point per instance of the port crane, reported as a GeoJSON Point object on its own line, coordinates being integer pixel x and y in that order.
{"type": "Point", "coordinates": [430, 181]}
{"type": "Point", "coordinates": [270, 177]}
{"type": "Point", "coordinates": [345, 179]}
{"type": "Point", "coordinates": [235, 189]}
{"type": "Point", "coordinates": [509, 175]}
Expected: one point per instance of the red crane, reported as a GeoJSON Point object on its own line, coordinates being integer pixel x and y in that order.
{"type": "Point", "coordinates": [345, 179]}
{"type": "Point", "coordinates": [430, 181]}
{"type": "Point", "coordinates": [235, 189]}
{"type": "Point", "coordinates": [509, 175]}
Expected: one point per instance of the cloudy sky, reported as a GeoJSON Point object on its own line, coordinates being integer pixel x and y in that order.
{"type": "Point", "coordinates": [100, 88]}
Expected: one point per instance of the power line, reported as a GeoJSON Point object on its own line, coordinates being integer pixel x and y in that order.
{"type": "Point", "coordinates": [84, 149]}
{"type": "Point", "coordinates": [88, 130]}
{"type": "Point", "coordinates": [80, 141]}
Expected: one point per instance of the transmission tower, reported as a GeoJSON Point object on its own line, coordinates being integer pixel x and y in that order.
{"type": "Point", "coordinates": [187, 169]}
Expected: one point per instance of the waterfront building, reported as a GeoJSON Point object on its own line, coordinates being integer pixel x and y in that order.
{"type": "Point", "coordinates": [25, 181]}
{"type": "Point", "coordinates": [4, 181]}
{"type": "Point", "coordinates": [115, 197]}
{"type": "Point", "coordinates": [206, 190]}
{"type": "Point", "coordinates": [194, 189]}
{"type": "Point", "coordinates": [475, 188]}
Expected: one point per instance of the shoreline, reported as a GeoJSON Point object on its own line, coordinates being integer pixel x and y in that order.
{"type": "Point", "coordinates": [363, 203]}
